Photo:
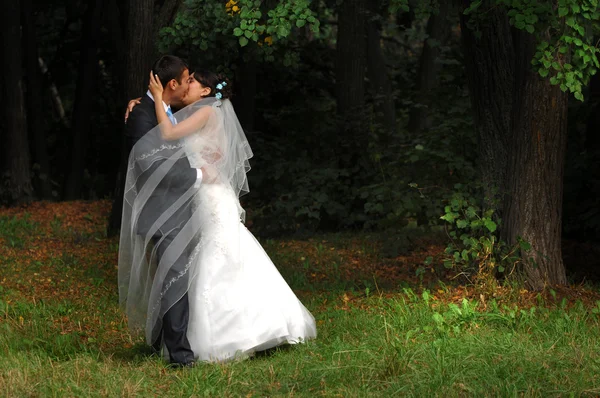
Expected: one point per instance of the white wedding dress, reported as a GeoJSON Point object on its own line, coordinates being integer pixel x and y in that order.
{"type": "Point", "coordinates": [239, 302]}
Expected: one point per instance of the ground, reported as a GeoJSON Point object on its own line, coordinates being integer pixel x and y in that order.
{"type": "Point", "coordinates": [387, 324]}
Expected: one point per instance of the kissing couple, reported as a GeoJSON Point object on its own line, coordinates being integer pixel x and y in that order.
{"type": "Point", "coordinates": [191, 276]}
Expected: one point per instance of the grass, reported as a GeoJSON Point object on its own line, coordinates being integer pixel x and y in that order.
{"type": "Point", "coordinates": [62, 333]}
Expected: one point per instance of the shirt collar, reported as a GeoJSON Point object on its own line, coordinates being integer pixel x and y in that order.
{"type": "Point", "coordinates": [149, 94]}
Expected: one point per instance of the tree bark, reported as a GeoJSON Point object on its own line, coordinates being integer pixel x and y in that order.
{"type": "Point", "coordinates": [34, 102]}
{"type": "Point", "coordinates": [166, 14]}
{"type": "Point", "coordinates": [535, 169]}
{"type": "Point", "coordinates": [84, 99]}
{"type": "Point", "coordinates": [139, 51]}
{"type": "Point", "coordinates": [139, 43]}
{"type": "Point", "coordinates": [377, 71]}
{"type": "Point", "coordinates": [116, 27]}
{"type": "Point", "coordinates": [521, 123]}
{"type": "Point", "coordinates": [438, 29]}
{"type": "Point", "coordinates": [351, 56]}
{"type": "Point", "coordinates": [489, 62]}
{"type": "Point", "coordinates": [56, 100]}
{"type": "Point", "coordinates": [16, 149]}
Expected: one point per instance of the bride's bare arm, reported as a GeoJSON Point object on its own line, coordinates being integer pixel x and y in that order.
{"type": "Point", "coordinates": [186, 127]}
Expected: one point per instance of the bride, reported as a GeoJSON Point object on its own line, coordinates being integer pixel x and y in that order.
{"type": "Point", "coordinates": [238, 301]}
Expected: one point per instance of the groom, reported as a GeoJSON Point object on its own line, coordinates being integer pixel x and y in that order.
{"type": "Point", "coordinates": [174, 74]}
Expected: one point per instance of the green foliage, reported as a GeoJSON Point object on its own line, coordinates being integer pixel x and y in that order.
{"type": "Point", "coordinates": [279, 23]}
{"type": "Point", "coordinates": [398, 5]}
{"type": "Point", "coordinates": [314, 187]}
{"type": "Point", "coordinates": [475, 247]}
{"type": "Point", "coordinates": [422, 9]}
{"type": "Point", "coordinates": [566, 53]}
{"type": "Point", "coordinates": [339, 184]}
{"type": "Point", "coordinates": [218, 29]}
{"type": "Point", "coordinates": [202, 27]}
{"type": "Point", "coordinates": [309, 173]}
{"type": "Point", "coordinates": [456, 319]}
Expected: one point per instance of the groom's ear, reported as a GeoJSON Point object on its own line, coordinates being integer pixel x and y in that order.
{"type": "Point", "coordinates": [172, 84]}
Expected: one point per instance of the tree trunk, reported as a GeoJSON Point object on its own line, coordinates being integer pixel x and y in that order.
{"type": "Point", "coordinates": [56, 100]}
{"type": "Point", "coordinates": [16, 148]}
{"type": "Point", "coordinates": [139, 50]}
{"type": "Point", "coordinates": [521, 122]}
{"type": "Point", "coordinates": [378, 72]}
{"type": "Point", "coordinates": [351, 56]}
{"type": "Point", "coordinates": [535, 169]}
{"type": "Point", "coordinates": [117, 26]}
{"type": "Point", "coordinates": [438, 30]}
{"type": "Point", "coordinates": [34, 101]}
{"type": "Point", "coordinates": [84, 99]}
{"type": "Point", "coordinates": [166, 14]}
{"type": "Point", "coordinates": [489, 62]}
{"type": "Point", "coordinates": [139, 43]}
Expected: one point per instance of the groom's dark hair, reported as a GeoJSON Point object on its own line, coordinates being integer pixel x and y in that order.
{"type": "Point", "coordinates": [169, 67]}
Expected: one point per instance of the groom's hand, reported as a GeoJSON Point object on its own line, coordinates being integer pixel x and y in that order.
{"type": "Point", "coordinates": [209, 174]}
{"type": "Point", "coordinates": [130, 107]}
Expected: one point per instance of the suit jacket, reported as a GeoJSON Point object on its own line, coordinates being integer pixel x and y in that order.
{"type": "Point", "coordinates": [177, 181]}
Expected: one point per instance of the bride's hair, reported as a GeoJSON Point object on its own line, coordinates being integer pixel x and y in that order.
{"type": "Point", "coordinates": [212, 80]}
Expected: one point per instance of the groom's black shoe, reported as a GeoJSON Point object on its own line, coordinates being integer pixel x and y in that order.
{"type": "Point", "coordinates": [182, 365]}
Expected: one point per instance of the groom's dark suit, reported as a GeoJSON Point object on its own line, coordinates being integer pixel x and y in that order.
{"type": "Point", "coordinates": [177, 181]}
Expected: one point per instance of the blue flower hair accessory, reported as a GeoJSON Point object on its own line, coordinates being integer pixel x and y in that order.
{"type": "Point", "coordinates": [220, 87]}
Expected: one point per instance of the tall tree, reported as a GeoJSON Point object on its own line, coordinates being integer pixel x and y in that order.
{"type": "Point", "coordinates": [438, 30]}
{"type": "Point", "coordinates": [534, 177]}
{"type": "Point", "coordinates": [16, 149]}
{"type": "Point", "coordinates": [351, 56]}
{"type": "Point", "coordinates": [377, 70]}
{"type": "Point", "coordinates": [521, 115]}
{"type": "Point", "coordinates": [489, 63]}
{"type": "Point", "coordinates": [34, 101]}
{"type": "Point", "coordinates": [84, 98]}
{"type": "Point", "coordinates": [140, 36]}
{"type": "Point", "coordinates": [139, 45]}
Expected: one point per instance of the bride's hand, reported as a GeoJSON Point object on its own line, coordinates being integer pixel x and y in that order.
{"type": "Point", "coordinates": [155, 86]}
{"type": "Point", "coordinates": [130, 106]}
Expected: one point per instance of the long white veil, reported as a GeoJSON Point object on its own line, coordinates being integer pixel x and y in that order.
{"type": "Point", "coordinates": [161, 233]}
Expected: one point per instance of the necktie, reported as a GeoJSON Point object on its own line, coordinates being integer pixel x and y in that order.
{"type": "Point", "coordinates": [170, 115]}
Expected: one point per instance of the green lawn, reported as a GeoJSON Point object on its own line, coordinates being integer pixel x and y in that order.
{"type": "Point", "coordinates": [62, 333]}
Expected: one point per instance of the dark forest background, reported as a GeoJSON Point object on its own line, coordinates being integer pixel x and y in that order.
{"type": "Point", "coordinates": [477, 118]}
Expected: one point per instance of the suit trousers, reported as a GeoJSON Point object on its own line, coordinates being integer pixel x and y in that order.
{"type": "Point", "coordinates": [175, 320]}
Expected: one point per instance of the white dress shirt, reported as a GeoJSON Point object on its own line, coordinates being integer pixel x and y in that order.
{"type": "Point", "coordinates": [167, 107]}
